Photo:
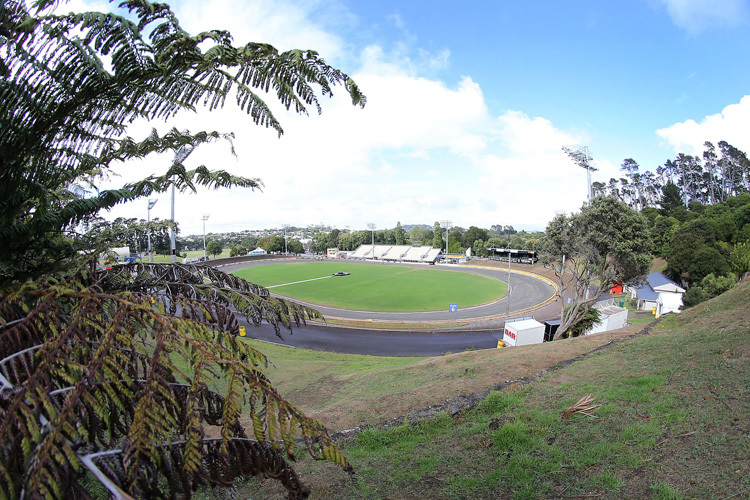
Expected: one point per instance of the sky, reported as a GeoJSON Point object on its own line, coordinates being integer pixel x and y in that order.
{"type": "Point", "coordinates": [468, 107]}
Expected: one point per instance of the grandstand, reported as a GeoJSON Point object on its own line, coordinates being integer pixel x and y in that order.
{"type": "Point", "coordinates": [397, 253]}
{"type": "Point", "coordinates": [520, 256]}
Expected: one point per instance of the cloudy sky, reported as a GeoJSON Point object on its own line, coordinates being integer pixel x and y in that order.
{"type": "Point", "coordinates": [468, 106]}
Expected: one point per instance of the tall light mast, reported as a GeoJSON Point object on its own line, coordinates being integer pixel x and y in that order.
{"type": "Point", "coordinates": [580, 156]}
{"type": "Point", "coordinates": [151, 204]}
{"type": "Point", "coordinates": [447, 224]}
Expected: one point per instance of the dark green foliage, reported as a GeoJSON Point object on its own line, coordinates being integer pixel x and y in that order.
{"type": "Point", "coordinates": [671, 198]}
{"type": "Point", "coordinates": [590, 320]}
{"type": "Point", "coordinates": [740, 258]}
{"type": "Point", "coordinates": [121, 383]}
{"type": "Point", "coordinates": [693, 296]}
{"type": "Point", "coordinates": [213, 248]}
{"type": "Point", "coordinates": [588, 251]}
{"type": "Point", "coordinates": [707, 260]}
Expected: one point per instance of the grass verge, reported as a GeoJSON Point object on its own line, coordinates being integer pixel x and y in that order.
{"type": "Point", "coordinates": [673, 421]}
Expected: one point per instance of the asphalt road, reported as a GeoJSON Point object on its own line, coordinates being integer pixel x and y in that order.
{"type": "Point", "coordinates": [377, 343]}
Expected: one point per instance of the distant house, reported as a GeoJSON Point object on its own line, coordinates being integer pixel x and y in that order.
{"type": "Point", "coordinates": [257, 251]}
{"type": "Point", "coordinates": [611, 316]}
{"type": "Point", "coordinates": [659, 293]}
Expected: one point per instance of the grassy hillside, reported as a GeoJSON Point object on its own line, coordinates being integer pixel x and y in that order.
{"type": "Point", "coordinates": [673, 422]}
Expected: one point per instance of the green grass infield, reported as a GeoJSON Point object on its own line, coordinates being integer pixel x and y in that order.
{"type": "Point", "coordinates": [376, 287]}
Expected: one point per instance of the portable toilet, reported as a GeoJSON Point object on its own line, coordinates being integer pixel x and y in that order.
{"type": "Point", "coordinates": [524, 332]}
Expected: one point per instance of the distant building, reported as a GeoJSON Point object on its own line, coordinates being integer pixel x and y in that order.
{"type": "Point", "coordinates": [658, 293]}
{"type": "Point", "coordinates": [515, 255]}
{"type": "Point", "coordinates": [396, 253]}
{"type": "Point", "coordinates": [611, 316]}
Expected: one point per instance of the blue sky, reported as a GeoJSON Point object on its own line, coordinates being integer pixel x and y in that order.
{"type": "Point", "coordinates": [468, 106]}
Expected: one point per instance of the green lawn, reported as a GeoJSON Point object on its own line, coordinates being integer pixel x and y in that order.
{"type": "Point", "coordinates": [375, 287]}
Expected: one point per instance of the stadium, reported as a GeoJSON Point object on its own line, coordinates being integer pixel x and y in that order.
{"type": "Point", "coordinates": [394, 287]}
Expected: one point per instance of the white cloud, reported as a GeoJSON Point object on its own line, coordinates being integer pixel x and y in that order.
{"type": "Point", "coordinates": [421, 150]}
{"type": "Point", "coordinates": [730, 125]}
{"type": "Point", "coordinates": [697, 16]}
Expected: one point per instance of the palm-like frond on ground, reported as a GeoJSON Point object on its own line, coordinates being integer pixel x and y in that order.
{"type": "Point", "coordinates": [137, 377]}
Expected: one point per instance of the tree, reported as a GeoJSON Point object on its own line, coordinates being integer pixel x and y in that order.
{"type": "Point", "coordinates": [588, 251]}
{"type": "Point", "coordinates": [479, 248]}
{"type": "Point", "coordinates": [237, 250]}
{"type": "Point", "coordinates": [671, 198]}
{"type": "Point", "coordinates": [740, 258]}
{"type": "Point", "coordinates": [112, 372]}
{"type": "Point", "coordinates": [400, 234]}
{"type": "Point", "coordinates": [213, 248]}
{"type": "Point", "coordinates": [295, 246]}
{"type": "Point", "coordinates": [437, 237]}
{"type": "Point", "coordinates": [420, 236]}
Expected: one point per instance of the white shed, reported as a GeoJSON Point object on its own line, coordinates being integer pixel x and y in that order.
{"type": "Point", "coordinates": [524, 332]}
{"type": "Point", "coordinates": [612, 317]}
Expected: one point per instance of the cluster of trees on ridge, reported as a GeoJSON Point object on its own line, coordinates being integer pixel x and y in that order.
{"type": "Point", "coordinates": [459, 239]}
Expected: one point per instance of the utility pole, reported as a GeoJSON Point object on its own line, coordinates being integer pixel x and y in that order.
{"type": "Point", "coordinates": [204, 218]}
{"type": "Point", "coordinates": [151, 204]}
{"type": "Point", "coordinates": [580, 156]}
{"type": "Point", "coordinates": [179, 156]}
{"type": "Point", "coordinates": [285, 226]}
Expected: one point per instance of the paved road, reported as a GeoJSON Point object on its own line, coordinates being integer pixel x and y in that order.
{"type": "Point", "coordinates": [377, 343]}
{"type": "Point", "coordinates": [526, 291]}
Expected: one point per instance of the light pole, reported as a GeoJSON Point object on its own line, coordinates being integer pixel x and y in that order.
{"type": "Point", "coordinates": [151, 204]}
{"type": "Point", "coordinates": [179, 156]}
{"type": "Point", "coordinates": [507, 302]}
{"type": "Point", "coordinates": [580, 155]}
{"type": "Point", "coordinates": [285, 226]}
{"type": "Point", "coordinates": [447, 224]}
{"type": "Point", "coordinates": [371, 227]}
{"type": "Point", "coordinates": [205, 218]}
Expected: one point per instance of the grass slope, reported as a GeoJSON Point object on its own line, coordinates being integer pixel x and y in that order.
{"type": "Point", "coordinates": [673, 425]}
{"type": "Point", "coordinates": [376, 288]}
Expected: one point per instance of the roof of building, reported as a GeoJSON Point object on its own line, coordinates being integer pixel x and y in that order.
{"type": "Point", "coordinates": [655, 283]}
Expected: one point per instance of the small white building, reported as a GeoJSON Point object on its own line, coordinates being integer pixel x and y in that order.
{"type": "Point", "coordinates": [657, 293]}
{"type": "Point", "coordinates": [611, 317]}
{"type": "Point", "coordinates": [524, 332]}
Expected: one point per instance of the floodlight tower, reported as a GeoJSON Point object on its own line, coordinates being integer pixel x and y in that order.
{"type": "Point", "coordinates": [285, 226]}
{"type": "Point", "coordinates": [204, 218]}
{"type": "Point", "coordinates": [447, 224]}
{"type": "Point", "coordinates": [580, 156]}
{"type": "Point", "coordinates": [151, 204]}
{"type": "Point", "coordinates": [179, 156]}
{"type": "Point", "coordinates": [371, 227]}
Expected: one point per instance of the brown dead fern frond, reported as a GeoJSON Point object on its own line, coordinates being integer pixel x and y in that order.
{"type": "Point", "coordinates": [583, 407]}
